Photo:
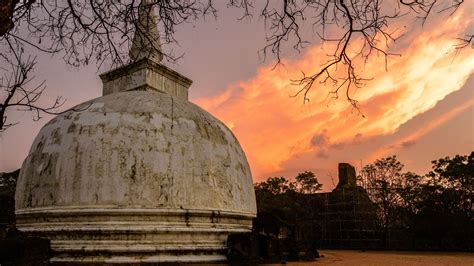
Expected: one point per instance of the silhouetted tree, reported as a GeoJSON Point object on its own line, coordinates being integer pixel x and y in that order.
{"type": "Point", "coordinates": [385, 181]}
{"type": "Point", "coordinates": [284, 206]}
{"type": "Point", "coordinates": [274, 205]}
{"type": "Point", "coordinates": [306, 182]}
{"type": "Point", "coordinates": [454, 177]}
{"type": "Point", "coordinates": [443, 216]}
{"type": "Point", "coordinates": [274, 185]}
{"type": "Point", "coordinates": [434, 210]}
{"type": "Point", "coordinates": [17, 90]}
{"type": "Point", "coordinates": [7, 199]}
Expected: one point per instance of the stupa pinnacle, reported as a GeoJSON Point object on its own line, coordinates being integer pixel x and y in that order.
{"type": "Point", "coordinates": [146, 41]}
{"type": "Point", "coordinates": [145, 71]}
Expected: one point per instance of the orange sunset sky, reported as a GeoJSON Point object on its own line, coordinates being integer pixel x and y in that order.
{"type": "Point", "coordinates": [421, 108]}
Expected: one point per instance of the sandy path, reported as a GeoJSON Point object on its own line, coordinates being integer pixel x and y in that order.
{"type": "Point", "coordinates": [350, 257]}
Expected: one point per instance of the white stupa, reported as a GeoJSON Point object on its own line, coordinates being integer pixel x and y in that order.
{"type": "Point", "coordinates": [140, 174]}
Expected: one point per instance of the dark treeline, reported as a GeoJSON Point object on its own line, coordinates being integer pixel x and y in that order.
{"type": "Point", "coordinates": [383, 207]}
{"type": "Point", "coordinates": [7, 200]}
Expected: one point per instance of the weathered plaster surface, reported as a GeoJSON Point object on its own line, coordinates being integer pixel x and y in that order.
{"type": "Point", "coordinates": [141, 149]}
{"type": "Point", "coordinates": [143, 175]}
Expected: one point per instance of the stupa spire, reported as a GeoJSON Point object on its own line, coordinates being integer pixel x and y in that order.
{"type": "Point", "coordinates": [146, 41]}
{"type": "Point", "coordinates": [144, 72]}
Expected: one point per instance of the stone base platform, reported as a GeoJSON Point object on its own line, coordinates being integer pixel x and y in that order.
{"type": "Point", "coordinates": [133, 235]}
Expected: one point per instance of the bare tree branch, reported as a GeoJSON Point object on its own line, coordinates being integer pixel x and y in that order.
{"type": "Point", "coordinates": [466, 41]}
{"type": "Point", "coordinates": [88, 31]}
{"type": "Point", "coordinates": [16, 90]}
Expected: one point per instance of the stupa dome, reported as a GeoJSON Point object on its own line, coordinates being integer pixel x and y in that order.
{"type": "Point", "coordinates": [138, 175]}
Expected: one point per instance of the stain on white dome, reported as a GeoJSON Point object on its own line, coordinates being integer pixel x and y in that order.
{"type": "Point", "coordinates": [138, 148]}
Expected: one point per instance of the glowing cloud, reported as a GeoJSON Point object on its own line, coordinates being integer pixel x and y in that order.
{"type": "Point", "coordinates": [410, 139]}
{"type": "Point", "coordinates": [273, 127]}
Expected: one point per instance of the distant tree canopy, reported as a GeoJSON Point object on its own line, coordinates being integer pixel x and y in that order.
{"type": "Point", "coordinates": [384, 182]}
{"type": "Point", "coordinates": [83, 32]}
{"type": "Point", "coordinates": [305, 182]}
{"type": "Point", "coordinates": [433, 206]}
{"type": "Point", "coordinates": [275, 185]}
{"type": "Point", "coordinates": [431, 211]}
{"type": "Point", "coordinates": [284, 203]}
{"type": "Point", "coordinates": [452, 181]}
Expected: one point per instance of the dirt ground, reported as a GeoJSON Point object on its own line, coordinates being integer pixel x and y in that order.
{"type": "Point", "coordinates": [388, 258]}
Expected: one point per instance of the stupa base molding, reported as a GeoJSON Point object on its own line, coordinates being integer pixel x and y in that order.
{"type": "Point", "coordinates": [112, 235]}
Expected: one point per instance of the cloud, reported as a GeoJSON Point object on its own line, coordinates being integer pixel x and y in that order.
{"type": "Point", "coordinates": [320, 140]}
{"type": "Point", "coordinates": [323, 154]}
{"type": "Point", "coordinates": [408, 143]}
{"type": "Point", "coordinates": [357, 138]}
{"type": "Point", "coordinates": [338, 146]}
{"type": "Point", "coordinates": [409, 140]}
{"type": "Point", "coordinates": [279, 133]}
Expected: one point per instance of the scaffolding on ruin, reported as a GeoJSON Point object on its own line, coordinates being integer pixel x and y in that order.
{"type": "Point", "coordinates": [349, 219]}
